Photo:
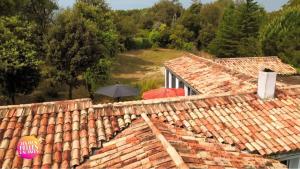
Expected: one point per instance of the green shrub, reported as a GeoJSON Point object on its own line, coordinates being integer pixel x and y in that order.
{"type": "Point", "coordinates": [148, 84]}
{"type": "Point", "coordinates": [51, 92]}
{"type": "Point", "coordinates": [39, 97]}
{"type": "Point", "coordinates": [141, 43]}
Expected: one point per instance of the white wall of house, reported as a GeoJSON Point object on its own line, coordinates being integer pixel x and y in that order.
{"type": "Point", "coordinates": [166, 78]}
{"type": "Point", "coordinates": [177, 83]}
{"type": "Point", "coordinates": [294, 163]}
{"type": "Point", "coordinates": [186, 90]}
{"type": "Point", "coordinates": [292, 160]}
{"type": "Point", "coordinates": [172, 81]}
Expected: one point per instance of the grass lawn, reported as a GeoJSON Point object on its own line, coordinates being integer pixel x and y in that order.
{"type": "Point", "coordinates": [143, 68]}
{"type": "Point", "coordinates": [135, 66]}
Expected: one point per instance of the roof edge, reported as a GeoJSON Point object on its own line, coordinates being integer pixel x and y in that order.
{"type": "Point", "coordinates": [248, 57]}
{"type": "Point", "coordinates": [45, 103]}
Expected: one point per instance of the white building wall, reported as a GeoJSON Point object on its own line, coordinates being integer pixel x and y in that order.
{"type": "Point", "coordinates": [166, 77]}
{"type": "Point", "coordinates": [294, 163]}
{"type": "Point", "coordinates": [170, 80]}
{"type": "Point", "coordinates": [177, 83]}
{"type": "Point", "coordinates": [186, 90]}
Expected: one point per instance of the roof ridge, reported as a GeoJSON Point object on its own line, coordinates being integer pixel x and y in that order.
{"type": "Point", "coordinates": [44, 103]}
{"type": "Point", "coordinates": [248, 57]}
{"type": "Point", "coordinates": [177, 159]}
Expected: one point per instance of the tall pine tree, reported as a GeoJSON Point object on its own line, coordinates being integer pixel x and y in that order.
{"type": "Point", "coordinates": [238, 31]}
{"type": "Point", "coordinates": [226, 42]}
{"type": "Point", "coordinates": [249, 15]}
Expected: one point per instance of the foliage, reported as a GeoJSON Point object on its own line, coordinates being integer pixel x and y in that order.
{"type": "Point", "coordinates": [105, 28]}
{"type": "Point", "coordinates": [148, 84]}
{"type": "Point", "coordinates": [225, 44]}
{"type": "Point", "coordinates": [97, 74]}
{"type": "Point", "coordinates": [160, 36]}
{"type": "Point", "coordinates": [292, 3]}
{"type": "Point", "coordinates": [191, 19]}
{"type": "Point", "coordinates": [250, 17]}
{"type": "Point", "coordinates": [19, 71]}
{"type": "Point", "coordinates": [281, 36]}
{"type": "Point", "coordinates": [98, 11]}
{"type": "Point", "coordinates": [166, 12]}
{"type": "Point", "coordinates": [71, 42]}
{"type": "Point", "coordinates": [211, 15]}
{"type": "Point", "coordinates": [238, 31]}
{"type": "Point", "coordinates": [180, 38]}
{"type": "Point", "coordinates": [127, 29]}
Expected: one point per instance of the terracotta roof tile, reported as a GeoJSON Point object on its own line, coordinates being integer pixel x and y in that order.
{"type": "Point", "coordinates": [69, 130]}
{"type": "Point", "coordinates": [227, 75]}
{"type": "Point", "coordinates": [244, 120]}
{"type": "Point", "coordinates": [72, 130]}
{"type": "Point", "coordinates": [154, 144]}
{"type": "Point", "coordinates": [208, 77]}
{"type": "Point", "coordinates": [252, 65]}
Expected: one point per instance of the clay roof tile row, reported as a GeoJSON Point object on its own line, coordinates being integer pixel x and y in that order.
{"type": "Point", "coordinates": [72, 130]}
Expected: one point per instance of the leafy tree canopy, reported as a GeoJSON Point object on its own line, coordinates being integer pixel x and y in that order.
{"type": "Point", "coordinates": [19, 66]}
{"type": "Point", "coordinates": [238, 31]}
{"type": "Point", "coordinates": [281, 36]}
{"type": "Point", "coordinates": [166, 11]}
{"type": "Point", "coordinates": [77, 40]}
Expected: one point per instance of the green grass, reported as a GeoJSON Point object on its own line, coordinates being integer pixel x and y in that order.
{"type": "Point", "coordinates": [134, 66]}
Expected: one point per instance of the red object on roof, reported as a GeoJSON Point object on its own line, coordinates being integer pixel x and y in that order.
{"type": "Point", "coordinates": [163, 93]}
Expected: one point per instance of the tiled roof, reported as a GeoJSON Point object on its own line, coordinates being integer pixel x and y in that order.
{"type": "Point", "coordinates": [73, 130]}
{"type": "Point", "coordinates": [209, 77]}
{"type": "Point", "coordinates": [252, 65]}
{"type": "Point", "coordinates": [149, 143]}
{"type": "Point", "coordinates": [70, 131]}
{"type": "Point", "coordinates": [228, 75]}
{"type": "Point", "coordinates": [264, 127]}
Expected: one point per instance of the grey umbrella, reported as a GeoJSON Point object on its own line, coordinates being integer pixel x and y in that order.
{"type": "Point", "coordinates": [118, 91]}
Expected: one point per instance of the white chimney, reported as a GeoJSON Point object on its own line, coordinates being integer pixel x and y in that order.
{"type": "Point", "coordinates": [266, 84]}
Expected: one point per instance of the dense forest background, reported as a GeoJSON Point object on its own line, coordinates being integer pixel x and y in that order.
{"type": "Point", "coordinates": [41, 42]}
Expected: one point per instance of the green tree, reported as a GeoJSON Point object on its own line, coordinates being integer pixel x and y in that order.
{"type": "Point", "coordinates": [211, 15]}
{"type": "Point", "coordinates": [281, 36]}
{"type": "Point", "coordinates": [226, 42]}
{"type": "Point", "coordinates": [98, 12]}
{"type": "Point", "coordinates": [292, 3]}
{"type": "Point", "coordinates": [72, 47]}
{"type": "Point", "coordinates": [97, 75]}
{"type": "Point", "coordinates": [78, 39]}
{"type": "Point", "coordinates": [166, 11]}
{"type": "Point", "coordinates": [160, 35]}
{"type": "Point", "coordinates": [250, 16]}
{"type": "Point", "coordinates": [127, 29]}
{"type": "Point", "coordinates": [10, 7]}
{"type": "Point", "coordinates": [239, 30]}
{"type": "Point", "coordinates": [181, 38]}
{"type": "Point", "coordinates": [191, 18]}
{"type": "Point", "coordinates": [19, 66]}
{"type": "Point", "coordinates": [41, 12]}
{"type": "Point", "coordinates": [100, 4]}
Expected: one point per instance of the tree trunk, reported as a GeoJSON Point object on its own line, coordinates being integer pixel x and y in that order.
{"type": "Point", "coordinates": [89, 87]}
{"type": "Point", "coordinates": [12, 99]}
{"type": "Point", "coordinates": [70, 91]}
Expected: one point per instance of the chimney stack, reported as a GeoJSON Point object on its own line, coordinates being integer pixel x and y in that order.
{"type": "Point", "coordinates": [266, 84]}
